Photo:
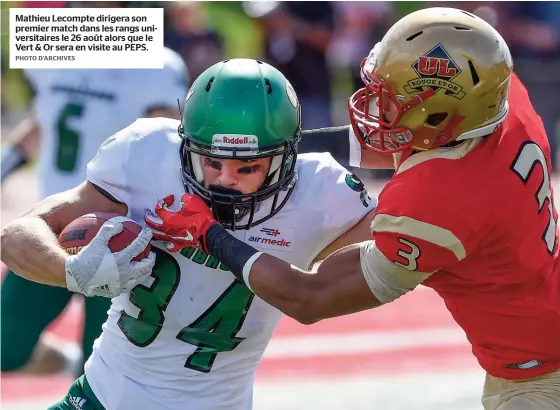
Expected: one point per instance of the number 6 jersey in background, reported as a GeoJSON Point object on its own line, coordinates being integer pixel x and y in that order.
{"type": "Point", "coordinates": [76, 110]}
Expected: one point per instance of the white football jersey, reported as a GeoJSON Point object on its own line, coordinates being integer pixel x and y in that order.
{"type": "Point", "coordinates": [79, 109]}
{"type": "Point", "coordinates": [191, 336]}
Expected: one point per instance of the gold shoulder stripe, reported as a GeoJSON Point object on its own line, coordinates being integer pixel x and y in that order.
{"type": "Point", "coordinates": [421, 230]}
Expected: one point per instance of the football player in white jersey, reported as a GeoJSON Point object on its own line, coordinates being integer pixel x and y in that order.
{"type": "Point", "coordinates": [74, 112]}
{"type": "Point", "coordinates": [190, 336]}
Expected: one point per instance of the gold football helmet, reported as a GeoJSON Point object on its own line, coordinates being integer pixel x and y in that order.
{"type": "Point", "coordinates": [438, 75]}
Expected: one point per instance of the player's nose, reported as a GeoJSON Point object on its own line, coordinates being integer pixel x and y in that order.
{"type": "Point", "coordinates": [228, 176]}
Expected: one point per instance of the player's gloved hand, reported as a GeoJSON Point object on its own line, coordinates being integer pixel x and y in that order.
{"type": "Point", "coordinates": [97, 271]}
{"type": "Point", "coordinates": [185, 228]}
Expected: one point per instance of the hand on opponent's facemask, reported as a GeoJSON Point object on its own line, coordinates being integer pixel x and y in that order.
{"type": "Point", "coordinates": [185, 228]}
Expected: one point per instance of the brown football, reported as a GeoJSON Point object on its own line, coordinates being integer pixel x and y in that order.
{"type": "Point", "coordinates": [82, 230]}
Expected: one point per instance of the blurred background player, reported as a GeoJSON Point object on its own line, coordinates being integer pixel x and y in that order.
{"type": "Point", "coordinates": [73, 113]}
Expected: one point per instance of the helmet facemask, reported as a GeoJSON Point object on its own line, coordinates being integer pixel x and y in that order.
{"type": "Point", "coordinates": [233, 209]}
{"type": "Point", "coordinates": [375, 112]}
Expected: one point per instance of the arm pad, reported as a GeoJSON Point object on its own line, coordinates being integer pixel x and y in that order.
{"type": "Point", "coordinates": [387, 280]}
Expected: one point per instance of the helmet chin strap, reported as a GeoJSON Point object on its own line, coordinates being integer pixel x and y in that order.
{"type": "Point", "coordinates": [219, 189]}
{"type": "Point", "coordinates": [227, 212]}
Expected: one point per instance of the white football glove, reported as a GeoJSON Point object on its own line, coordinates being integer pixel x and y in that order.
{"type": "Point", "coordinates": [97, 271]}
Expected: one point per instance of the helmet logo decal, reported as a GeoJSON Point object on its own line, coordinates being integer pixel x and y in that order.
{"type": "Point", "coordinates": [291, 94]}
{"type": "Point", "coordinates": [224, 143]}
{"type": "Point", "coordinates": [436, 70]}
{"type": "Point", "coordinates": [356, 184]}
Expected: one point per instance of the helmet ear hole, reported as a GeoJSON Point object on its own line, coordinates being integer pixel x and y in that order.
{"type": "Point", "coordinates": [412, 37]}
{"type": "Point", "coordinates": [268, 86]}
{"type": "Point", "coordinates": [474, 74]}
{"type": "Point", "coordinates": [434, 120]}
{"type": "Point", "coordinates": [209, 85]}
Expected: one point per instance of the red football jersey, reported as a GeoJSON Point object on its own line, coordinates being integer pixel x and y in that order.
{"type": "Point", "coordinates": [481, 216]}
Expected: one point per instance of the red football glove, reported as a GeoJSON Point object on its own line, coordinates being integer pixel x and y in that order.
{"type": "Point", "coordinates": [185, 228]}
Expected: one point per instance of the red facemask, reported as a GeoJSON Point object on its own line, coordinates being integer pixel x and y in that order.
{"type": "Point", "coordinates": [371, 126]}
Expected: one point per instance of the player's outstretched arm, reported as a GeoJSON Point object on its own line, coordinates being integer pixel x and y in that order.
{"type": "Point", "coordinates": [354, 278]}
{"type": "Point", "coordinates": [30, 243]}
{"type": "Point", "coordinates": [344, 146]}
{"type": "Point", "coordinates": [337, 288]}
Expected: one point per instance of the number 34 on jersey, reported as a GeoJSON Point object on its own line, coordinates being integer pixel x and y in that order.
{"type": "Point", "coordinates": [214, 331]}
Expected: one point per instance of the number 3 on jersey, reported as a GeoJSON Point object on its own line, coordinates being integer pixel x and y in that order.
{"type": "Point", "coordinates": [151, 301]}
{"type": "Point", "coordinates": [529, 156]}
{"type": "Point", "coordinates": [213, 332]}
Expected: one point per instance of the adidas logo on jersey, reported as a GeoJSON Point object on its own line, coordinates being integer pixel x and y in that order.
{"type": "Point", "coordinates": [102, 290]}
{"type": "Point", "coordinates": [77, 402]}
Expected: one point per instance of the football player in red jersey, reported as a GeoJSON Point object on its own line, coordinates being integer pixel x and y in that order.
{"type": "Point", "coordinates": [469, 211]}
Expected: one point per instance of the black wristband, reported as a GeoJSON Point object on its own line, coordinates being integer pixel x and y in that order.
{"type": "Point", "coordinates": [229, 250]}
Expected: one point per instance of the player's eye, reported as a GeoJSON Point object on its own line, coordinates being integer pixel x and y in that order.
{"type": "Point", "coordinates": [249, 170]}
{"type": "Point", "coordinates": [212, 163]}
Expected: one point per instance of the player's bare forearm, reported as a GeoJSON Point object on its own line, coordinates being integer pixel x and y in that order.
{"type": "Point", "coordinates": [30, 249]}
{"type": "Point", "coordinates": [30, 245]}
{"type": "Point", "coordinates": [337, 288]}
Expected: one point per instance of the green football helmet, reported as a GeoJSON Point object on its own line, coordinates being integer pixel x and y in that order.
{"type": "Point", "coordinates": [241, 109]}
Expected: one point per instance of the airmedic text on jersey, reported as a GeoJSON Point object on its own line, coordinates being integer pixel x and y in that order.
{"type": "Point", "coordinates": [273, 238]}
